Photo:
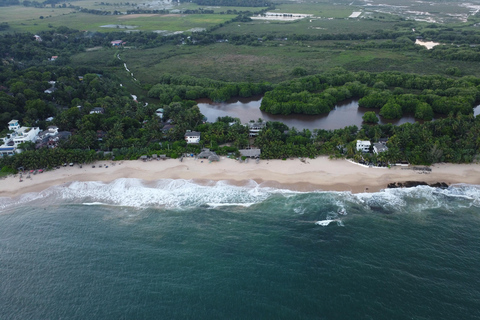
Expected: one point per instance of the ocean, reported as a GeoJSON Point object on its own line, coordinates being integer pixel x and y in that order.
{"type": "Point", "coordinates": [174, 249]}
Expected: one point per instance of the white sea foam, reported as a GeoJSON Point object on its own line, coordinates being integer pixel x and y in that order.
{"type": "Point", "coordinates": [216, 205]}
{"type": "Point", "coordinates": [421, 198]}
{"type": "Point", "coordinates": [165, 193]}
{"type": "Point", "coordinates": [325, 223]}
{"type": "Point", "coordinates": [186, 194]}
{"type": "Point", "coordinates": [6, 203]}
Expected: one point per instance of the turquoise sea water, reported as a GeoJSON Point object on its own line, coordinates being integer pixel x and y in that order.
{"type": "Point", "coordinates": [178, 250]}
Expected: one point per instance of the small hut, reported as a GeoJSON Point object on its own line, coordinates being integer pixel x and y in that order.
{"type": "Point", "coordinates": [250, 153]}
{"type": "Point", "coordinates": [207, 154]}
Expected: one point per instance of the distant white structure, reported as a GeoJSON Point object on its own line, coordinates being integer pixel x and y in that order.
{"type": "Point", "coordinates": [363, 145]}
{"type": "Point", "coordinates": [192, 137]}
{"type": "Point", "coordinates": [427, 44]}
{"type": "Point", "coordinates": [281, 16]}
{"type": "Point", "coordinates": [355, 14]}
{"type": "Point", "coordinates": [19, 135]}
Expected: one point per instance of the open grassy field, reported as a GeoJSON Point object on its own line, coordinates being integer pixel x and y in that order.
{"type": "Point", "coordinates": [228, 62]}
{"type": "Point", "coordinates": [28, 16]}
{"type": "Point", "coordinates": [90, 22]}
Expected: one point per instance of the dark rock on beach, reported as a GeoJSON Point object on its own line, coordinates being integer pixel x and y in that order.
{"type": "Point", "coordinates": [411, 184]}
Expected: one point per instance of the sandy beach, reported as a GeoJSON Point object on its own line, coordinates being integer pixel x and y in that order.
{"type": "Point", "coordinates": [321, 173]}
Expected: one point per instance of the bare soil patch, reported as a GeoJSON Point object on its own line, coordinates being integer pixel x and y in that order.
{"type": "Point", "coordinates": [94, 48]}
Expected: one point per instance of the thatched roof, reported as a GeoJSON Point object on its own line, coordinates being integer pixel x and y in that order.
{"type": "Point", "coordinates": [214, 157]}
{"type": "Point", "coordinates": [207, 154]}
{"type": "Point", "coordinates": [251, 153]}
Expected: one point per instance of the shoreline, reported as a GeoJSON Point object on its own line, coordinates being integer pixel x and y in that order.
{"type": "Point", "coordinates": [320, 174]}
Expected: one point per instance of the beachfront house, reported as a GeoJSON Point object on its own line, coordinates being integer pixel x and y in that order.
{"type": "Point", "coordinates": [192, 137]}
{"type": "Point", "coordinates": [17, 136]}
{"type": "Point", "coordinates": [363, 145]}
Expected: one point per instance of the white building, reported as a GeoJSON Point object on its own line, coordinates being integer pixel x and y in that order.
{"type": "Point", "coordinates": [363, 145]}
{"type": "Point", "coordinates": [19, 135]}
{"type": "Point", "coordinates": [192, 137]}
{"type": "Point", "coordinates": [159, 113]}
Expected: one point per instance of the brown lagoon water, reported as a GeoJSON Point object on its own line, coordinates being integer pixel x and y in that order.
{"type": "Point", "coordinates": [346, 113]}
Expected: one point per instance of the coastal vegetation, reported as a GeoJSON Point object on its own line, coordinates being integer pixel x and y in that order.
{"type": "Point", "coordinates": [301, 67]}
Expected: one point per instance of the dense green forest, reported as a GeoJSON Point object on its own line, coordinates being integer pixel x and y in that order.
{"type": "Point", "coordinates": [128, 128]}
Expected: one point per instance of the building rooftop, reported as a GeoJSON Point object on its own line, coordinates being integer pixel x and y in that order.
{"type": "Point", "coordinates": [251, 153]}
{"type": "Point", "coordinates": [192, 134]}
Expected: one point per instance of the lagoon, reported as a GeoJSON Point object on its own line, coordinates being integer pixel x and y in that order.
{"type": "Point", "coordinates": [345, 113]}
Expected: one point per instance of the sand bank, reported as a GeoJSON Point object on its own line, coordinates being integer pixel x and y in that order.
{"type": "Point", "coordinates": [313, 174]}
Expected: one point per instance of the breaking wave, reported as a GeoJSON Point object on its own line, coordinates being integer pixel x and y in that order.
{"type": "Point", "coordinates": [178, 194]}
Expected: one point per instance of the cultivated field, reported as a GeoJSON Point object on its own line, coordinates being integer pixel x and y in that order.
{"type": "Point", "coordinates": [90, 22]}
{"type": "Point", "coordinates": [153, 5]}
{"type": "Point", "coordinates": [28, 16]}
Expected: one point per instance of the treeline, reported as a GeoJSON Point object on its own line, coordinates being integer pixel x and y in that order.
{"type": "Point", "coordinates": [61, 42]}
{"type": "Point", "coordinates": [36, 4]}
{"type": "Point", "coordinates": [47, 158]}
{"type": "Point", "coordinates": [457, 35]}
{"type": "Point", "coordinates": [423, 106]}
{"type": "Point", "coordinates": [318, 94]}
{"type": "Point", "coordinates": [450, 52]}
{"type": "Point", "coordinates": [5, 3]}
{"type": "Point", "coordinates": [287, 100]}
{"type": "Point", "coordinates": [453, 139]}
{"type": "Point", "coordinates": [172, 88]}
{"type": "Point", "coordinates": [64, 42]}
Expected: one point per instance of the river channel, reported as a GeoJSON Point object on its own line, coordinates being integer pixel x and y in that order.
{"type": "Point", "coordinates": [344, 114]}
